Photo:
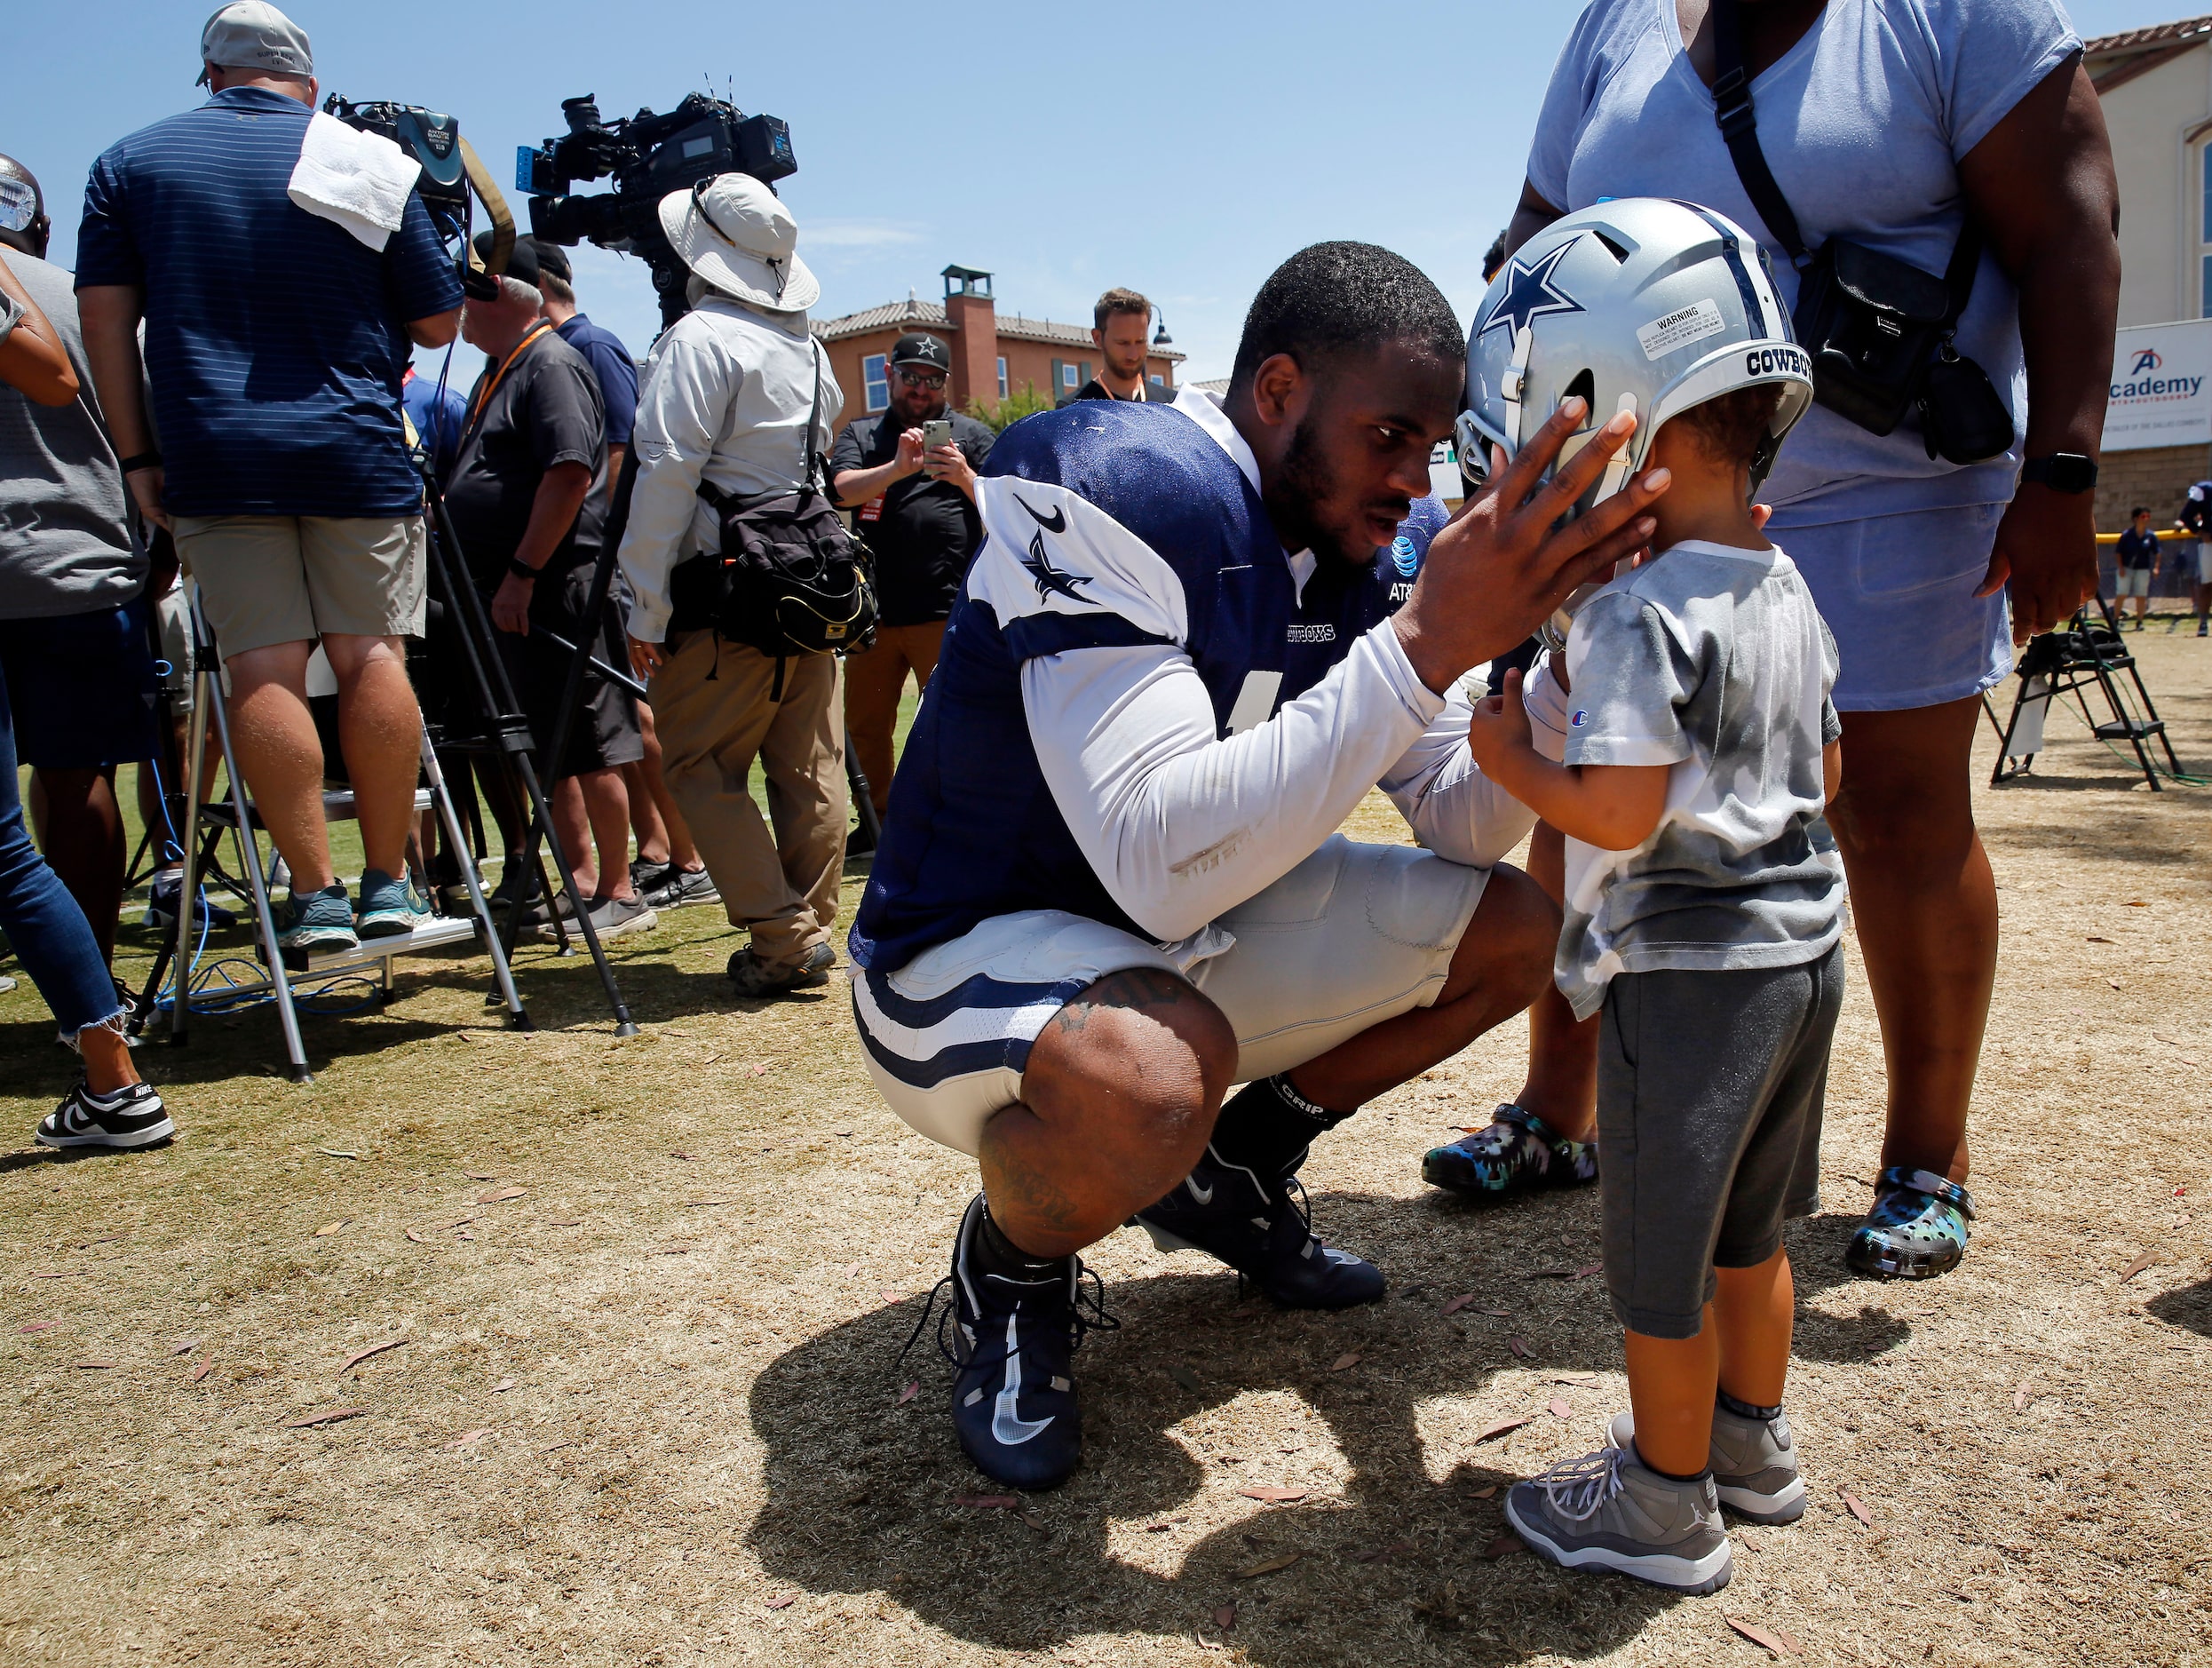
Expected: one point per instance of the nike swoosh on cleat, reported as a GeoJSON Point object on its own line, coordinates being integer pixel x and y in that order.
{"type": "Point", "coordinates": [1007, 1425]}
{"type": "Point", "coordinates": [1204, 1196]}
{"type": "Point", "coordinates": [1056, 523]}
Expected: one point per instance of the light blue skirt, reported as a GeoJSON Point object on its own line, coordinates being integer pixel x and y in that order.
{"type": "Point", "coordinates": [1897, 591]}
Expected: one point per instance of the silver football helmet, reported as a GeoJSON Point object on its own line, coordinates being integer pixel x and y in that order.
{"type": "Point", "coordinates": [1640, 305]}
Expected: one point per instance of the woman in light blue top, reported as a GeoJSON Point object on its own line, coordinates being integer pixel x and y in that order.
{"type": "Point", "coordinates": [1890, 122]}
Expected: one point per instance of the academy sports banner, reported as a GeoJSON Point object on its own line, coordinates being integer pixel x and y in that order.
{"type": "Point", "coordinates": [2161, 389]}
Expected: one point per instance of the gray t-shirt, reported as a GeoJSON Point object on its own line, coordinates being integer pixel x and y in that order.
{"type": "Point", "coordinates": [1863, 122]}
{"type": "Point", "coordinates": [1713, 661]}
{"type": "Point", "coordinates": [66, 539]}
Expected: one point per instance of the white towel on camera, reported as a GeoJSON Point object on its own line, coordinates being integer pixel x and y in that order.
{"type": "Point", "coordinates": [358, 180]}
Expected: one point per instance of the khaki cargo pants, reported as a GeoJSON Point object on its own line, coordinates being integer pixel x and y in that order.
{"type": "Point", "coordinates": [711, 705]}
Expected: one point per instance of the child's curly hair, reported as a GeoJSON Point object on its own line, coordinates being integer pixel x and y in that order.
{"type": "Point", "coordinates": [1731, 427]}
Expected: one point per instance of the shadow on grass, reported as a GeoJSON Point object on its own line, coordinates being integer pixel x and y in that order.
{"type": "Point", "coordinates": [2188, 1305]}
{"type": "Point", "coordinates": [1390, 1561]}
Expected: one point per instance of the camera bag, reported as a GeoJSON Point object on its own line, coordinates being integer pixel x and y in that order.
{"type": "Point", "coordinates": [1880, 331]}
{"type": "Point", "coordinates": [790, 579]}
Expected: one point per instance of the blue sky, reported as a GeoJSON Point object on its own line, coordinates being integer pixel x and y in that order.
{"type": "Point", "coordinates": [1184, 149]}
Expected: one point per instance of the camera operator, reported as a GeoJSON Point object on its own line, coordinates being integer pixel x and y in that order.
{"type": "Point", "coordinates": [915, 506]}
{"type": "Point", "coordinates": [738, 394]}
{"type": "Point", "coordinates": [274, 341]}
{"type": "Point", "coordinates": [50, 439]}
{"type": "Point", "coordinates": [529, 499]}
{"type": "Point", "coordinates": [668, 871]}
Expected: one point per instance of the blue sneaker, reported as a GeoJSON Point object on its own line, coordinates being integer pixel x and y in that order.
{"type": "Point", "coordinates": [1264, 1230]}
{"type": "Point", "coordinates": [1012, 1351]}
{"type": "Point", "coordinates": [1917, 1227]}
{"type": "Point", "coordinates": [388, 907]}
{"type": "Point", "coordinates": [318, 920]}
{"type": "Point", "coordinates": [1518, 1152]}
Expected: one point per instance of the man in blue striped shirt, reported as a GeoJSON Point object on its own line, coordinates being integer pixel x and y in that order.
{"type": "Point", "coordinates": [275, 340]}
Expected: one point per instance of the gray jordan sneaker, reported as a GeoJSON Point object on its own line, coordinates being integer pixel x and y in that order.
{"type": "Point", "coordinates": [1610, 1511]}
{"type": "Point", "coordinates": [1754, 1464]}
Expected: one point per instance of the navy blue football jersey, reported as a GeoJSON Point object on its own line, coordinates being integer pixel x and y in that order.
{"type": "Point", "coordinates": [1104, 525]}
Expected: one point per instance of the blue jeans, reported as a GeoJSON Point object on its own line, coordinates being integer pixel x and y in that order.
{"type": "Point", "coordinates": [44, 926]}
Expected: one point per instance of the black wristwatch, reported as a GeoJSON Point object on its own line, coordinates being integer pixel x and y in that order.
{"type": "Point", "coordinates": [2061, 472]}
{"type": "Point", "coordinates": [519, 568]}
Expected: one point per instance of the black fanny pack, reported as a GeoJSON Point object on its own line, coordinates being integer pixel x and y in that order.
{"type": "Point", "coordinates": [1880, 332]}
{"type": "Point", "coordinates": [789, 577]}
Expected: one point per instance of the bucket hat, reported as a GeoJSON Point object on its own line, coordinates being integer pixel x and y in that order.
{"type": "Point", "coordinates": [734, 232]}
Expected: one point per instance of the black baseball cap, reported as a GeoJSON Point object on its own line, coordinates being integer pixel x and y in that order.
{"type": "Point", "coordinates": [915, 348]}
{"type": "Point", "coordinates": [551, 258]}
{"type": "Point", "coordinates": [522, 260]}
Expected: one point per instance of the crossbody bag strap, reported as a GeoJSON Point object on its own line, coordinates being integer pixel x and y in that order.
{"type": "Point", "coordinates": [810, 455]}
{"type": "Point", "coordinates": [1958, 277]}
{"type": "Point", "coordinates": [1740, 131]}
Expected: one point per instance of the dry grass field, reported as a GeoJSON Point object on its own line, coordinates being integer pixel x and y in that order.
{"type": "Point", "coordinates": [604, 1335]}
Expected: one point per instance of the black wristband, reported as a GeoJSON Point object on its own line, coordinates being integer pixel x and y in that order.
{"type": "Point", "coordinates": [519, 568]}
{"type": "Point", "coordinates": [148, 459]}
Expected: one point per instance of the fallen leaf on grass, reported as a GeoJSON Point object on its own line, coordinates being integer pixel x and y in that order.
{"type": "Point", "coordinates": [995, 1501]}
{"type": "Point", "coordinates": [1183, 1375]}
{"type": "Point", "coordinates": [1164, 1525]}
{"type": "Point", "coordinates": [1275, 1496]}
{"type": "Point", "coordinates": [1773, 1639]}
{"type": "Point", "coordinates": [670, 1250]}
{"type": "Point", "coordinates": [1559, 1410]}
{"type": "Point", "coordinates": [687, 1157]}
{"type": "Point", "coordinates": [1575, 1378]}
{"type": "Point", "coordinates": [1858, 1508]}
{"type": "Point", "coordinates": [1459, 1303]}
{"type": "Point", "coordinates": [41, 1326]}
{"type": "Point", "coordinates": [893, 1297]}
{"type": "Point", "coordinates": [500, 1195]}
{"type": "Point", "coordinates": [329, 1228]}
{"type": "Point", "coordinates": [2134, 904]}
{"type": "Point", "coordinates": [479, 1175]}
{"type": "Point", "coordinates": [1751, 1542]}
{"type": "Point", "coordinates": [1588, 1269]}
{"type": "Point", "coordinates": [469, 1439]}
{"type": "Point", "coordinates": [2021, 1397]}
{"type": "Point", "coordinates": [1268, 1567]}
{"type": "Point", "coordinates": [503, 1386]}
{"type": "Point", "coordinates": [573, 1221]}
{"type": "Point", "coordinates": [2094, 938]}
{"type": "Point", "coordinates": [1483, 1493]}
{"type": "Point", "coordinates": [333, 1152]}
{"type": "Point", "coordinates": [58, 1274]}
{"type": "Point", "coordinates": [1548, 1274]}
{"type": "Point", "coordinates": [1500, 1545]}
{"type": "Point", "coordinates": [418, 1238]}
{"type": "Point", "coordinates": [95, 1366]}
{"type": "Point", "coordinates": [782, 1601]}
{"type": "Point", "coordinates": [1519, 1346]}
{"type": "Point", "coordinates": [913, 1389]}
{"type": "Point", "coordinates": [2114, 983]}
{"type": "Point", "coordinates": [1225, 1617]}
{"type": "Point", "coordinates": [1034, 1523]}
{"type": "Point", "coordinates": [2147, 1259]}
{"type": "Point", "coordinates": [330, 1417]}
{"type": "Point", "coordinates": [1345, 1362]}
{"type": "Point", "coordinates": [1502, 1426]}
{"type": "Point", "coordinates": [360, 1355]}
{"type": "Point", "coordinates": [1502, 1315]}
{"type": "Point", "coordinates": [203, 1369]}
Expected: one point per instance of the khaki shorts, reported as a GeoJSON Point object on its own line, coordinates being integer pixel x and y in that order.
{"type": "Point", "coordinates": [269, 579]}
{"type": "Point", "coordinates": [174, 617]}
{"type": "Point", "coordinates": [1354, 935]}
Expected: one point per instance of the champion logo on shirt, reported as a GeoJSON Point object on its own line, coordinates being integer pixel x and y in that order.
{"type": "Point", "coordinates": [1579, 718]}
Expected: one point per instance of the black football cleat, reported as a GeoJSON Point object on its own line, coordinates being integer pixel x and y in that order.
{"type": "Point", "coordinates": [1264, 1230]}
{"type": "Point", "coordinates": [1012, 1350]}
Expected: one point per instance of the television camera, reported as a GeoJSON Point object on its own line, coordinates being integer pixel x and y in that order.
{"type": "Point", "coordinates": [451, 170]}
{"type": "Point", "coordinates": [649, 156]}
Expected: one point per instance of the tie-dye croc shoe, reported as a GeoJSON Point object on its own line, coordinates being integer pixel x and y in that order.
{"type": "Point", "coordinates": [1518, 1152]}
{"type": "Point", "coordinates": [1916, 1229]}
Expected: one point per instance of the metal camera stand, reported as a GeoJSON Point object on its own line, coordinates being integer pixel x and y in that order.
{"type": "Point", "coordinates": [2086, 654]}
{"type": "Point", "coordinates": [238, 815]}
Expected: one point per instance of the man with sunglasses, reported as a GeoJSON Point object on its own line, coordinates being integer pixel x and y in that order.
{"type": "Point", "coordinates": [916, 508]}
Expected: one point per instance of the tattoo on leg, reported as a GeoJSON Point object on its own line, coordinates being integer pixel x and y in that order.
{"type": "Point", "coordinates": [1137, 988]}
{"type": "Point", "coordinates": [1021, 1189]}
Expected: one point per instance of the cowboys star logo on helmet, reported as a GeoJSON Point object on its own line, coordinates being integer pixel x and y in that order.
{"type": "Point", "coordinates": [1529, 294]}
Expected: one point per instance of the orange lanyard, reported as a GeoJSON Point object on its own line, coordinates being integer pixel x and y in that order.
{"type": "Point", "coordinates": [505, 365]}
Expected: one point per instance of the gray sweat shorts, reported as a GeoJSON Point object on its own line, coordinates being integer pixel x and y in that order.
{"type": "Point", "coordinates": [1710, 1089]}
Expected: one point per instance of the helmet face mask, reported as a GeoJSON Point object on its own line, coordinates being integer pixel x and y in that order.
{"type": "Point", "coordinates": [1638, 305]}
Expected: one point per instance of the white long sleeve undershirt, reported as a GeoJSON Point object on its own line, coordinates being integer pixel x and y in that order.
{"type": "Point", "coordinates": [1181, 825]}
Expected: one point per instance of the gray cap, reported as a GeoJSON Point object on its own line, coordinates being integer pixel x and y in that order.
{"type": "Point", "coordinates": [253, 34]}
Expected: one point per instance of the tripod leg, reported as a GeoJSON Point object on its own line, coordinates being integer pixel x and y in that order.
{"type": "Point", "coordinates": [863, 796]}
{"type": "Point", "coordinates": [206, 689]}
{"type": "Point", "coordinates": [518, 1016]}
{"type": "Point", "coordinates": [256, 879]}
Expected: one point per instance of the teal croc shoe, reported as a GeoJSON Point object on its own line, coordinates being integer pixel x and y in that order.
{"type": "Point", "coordinates": [1916, 1229]}
{"type": "Point", "coordinates": [1518, 1152]}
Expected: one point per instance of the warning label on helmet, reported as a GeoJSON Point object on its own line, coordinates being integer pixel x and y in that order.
{"type": "Point", "coordinates": [1680, 329]}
